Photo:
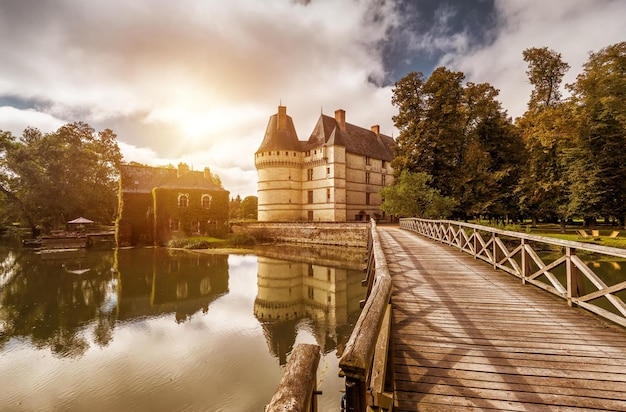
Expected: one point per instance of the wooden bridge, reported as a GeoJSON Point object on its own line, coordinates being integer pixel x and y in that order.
{"type": "Point", "coordinates": [442, 330]}
{"type": "Point", "coordinates": [464, 336]}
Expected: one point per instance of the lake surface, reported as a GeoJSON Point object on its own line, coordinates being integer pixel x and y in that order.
{"type": "Point", "coordinates": [158, 330]}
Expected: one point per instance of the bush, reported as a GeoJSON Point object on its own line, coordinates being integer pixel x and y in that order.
{"type": "Point", "coordinates": [241, 239]}
{"type": "Point", "coordinates": [190, 244]}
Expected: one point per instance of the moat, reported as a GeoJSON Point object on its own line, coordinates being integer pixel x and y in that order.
{"type": "Point", "coordinates": [162, 330]}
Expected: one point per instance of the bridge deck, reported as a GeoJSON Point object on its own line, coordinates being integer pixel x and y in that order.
{"type": "Point", "coordinates": [468, 337]}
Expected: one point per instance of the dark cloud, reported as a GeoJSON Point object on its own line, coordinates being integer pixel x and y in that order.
{"type": "Point", "coordinates": [427, 31]}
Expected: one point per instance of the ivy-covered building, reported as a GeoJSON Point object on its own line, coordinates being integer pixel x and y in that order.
{"type": "Point", "coordinates": [157, 204]}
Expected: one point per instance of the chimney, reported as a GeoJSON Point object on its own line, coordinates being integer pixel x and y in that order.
{"type": "Point", "coordinates": [340, 118]}
{"type": "Point", "coordinates": [182, 169]}
{"type": "Point", "coordinates": [207, 173]}
{"type": "Point", "coordinates": [282, 117]}
{"type": "Point", "coordinates": [376, 130]}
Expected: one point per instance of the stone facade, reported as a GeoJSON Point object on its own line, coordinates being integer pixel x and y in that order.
{"type": "Point", "coordinates": [335, 176]}
{"type": "Point", "coordinates": [157, 204]}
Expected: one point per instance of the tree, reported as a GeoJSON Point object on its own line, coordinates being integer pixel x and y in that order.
{"type": "Point", "coordinates": [460, 136]}
{"type": "Point", "coordinates": [542, 187]}
{"type": "Point", "coordinates": [411, 196]}
{"type": "Point", "coordinates": [233, 207]}
{"type": "Point", "coordinates": [249, 208]}
{"type": "Point", "coordinates": [50, 178]}
{"type": "Point", "coordinates": [597, 161]}
{"type": "Point", "coordinates": [545, 72]}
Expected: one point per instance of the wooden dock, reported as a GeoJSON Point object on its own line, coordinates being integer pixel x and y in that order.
{"type": "Point", "coordinates": [468, 337]}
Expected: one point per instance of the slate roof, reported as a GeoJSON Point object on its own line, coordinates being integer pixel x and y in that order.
{"type": "Point", "coordinates": [280, 139]}
{"type": "Point", "coordinates": [142, 179]}
{"type": "Point", "coordinates": [326, 132]}
{"type": "Point", "coordinates": [355, 139]}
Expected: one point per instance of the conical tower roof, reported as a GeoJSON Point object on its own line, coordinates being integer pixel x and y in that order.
{"type": "Point", "coordinates": [280, 133]}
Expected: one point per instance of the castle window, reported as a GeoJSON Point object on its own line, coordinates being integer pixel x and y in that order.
{"type": "Point", "coordinates": [367, 198]}
{"type": "Point", "coordinates": [206, 201]}
{"type": "Point", "coordinates": [310, 196]}
{"type": "Point", "coordinates": [309, 215]}
{"type": "Point", "coordinates": [195, 226]}
{"type": "Point", "coordinates": [328, 171]}
{"type": "Point", "coordinates": [383, 180]}
{"type": "Point", "coordinates": [311, 293]}
{"type": "Point", "coordinates": [174, 225]}
{"type": "Point", "coordinates": [328, 195]}
{"type": "Point", "coordinates": [368, 160]}
{"type": "Point", "coordinates": [310, 174]}
{"type": "Point", "coordinates": [367, 178]}
{"type": "Point", "coordinates": [183, 200]}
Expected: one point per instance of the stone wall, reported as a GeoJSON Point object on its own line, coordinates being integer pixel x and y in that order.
{"type": "Point", "coordinates": [341, 234]}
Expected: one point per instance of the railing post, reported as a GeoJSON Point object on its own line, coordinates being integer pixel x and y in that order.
{"type": "Point", "coordinates": [575, 287]}
{"type": "Point", "coordinates": [494, 249]}
{"type": "Point", "coordinates": [525, 263]}
{"type": "Point", "coordinates": [355, 395]}
{"type": "Point", "coordinates": [475, 243]}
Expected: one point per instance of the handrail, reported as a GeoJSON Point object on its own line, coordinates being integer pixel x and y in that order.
{"type": "Point", "coordinates": [297, 389]}
{"type": "Point", "coordinates": [364, 362]}
{"type": "Point", "coordinates": [524, 262]}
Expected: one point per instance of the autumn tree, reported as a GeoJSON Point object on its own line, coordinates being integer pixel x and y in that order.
{"type": "Point", "coordinates": [545, 72]}
{"type": "Point", "coordinates": [542, 188]}
{"type": "Point", "coordinates": [48, 179]}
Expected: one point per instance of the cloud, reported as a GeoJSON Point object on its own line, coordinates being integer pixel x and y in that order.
{"type": "Point", "coordinates": [16, 120]}
{"type": "Point", "coordinates": [197, 80]}
{"type": "Point", "coordinates": [572, 28]}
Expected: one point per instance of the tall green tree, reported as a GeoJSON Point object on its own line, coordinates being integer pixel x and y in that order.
{"type": "Point", "coordinates": [412, 196]}
{"type": "Point", "coordinates": [54, 177]}
{"type": "Point", "coordinates": [598, 159]}
{"type": "Point", "coordinates": [545, 72]}
{"type": "Point", "coordinates": [249, 208]}
{"type": "Point", "coordinates": [460, 137]}
{"type": "Point", "coordinates": [542, 187]}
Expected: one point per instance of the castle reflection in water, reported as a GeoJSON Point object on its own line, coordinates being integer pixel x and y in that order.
{"type": "Point", "coordinates": [51, 300]}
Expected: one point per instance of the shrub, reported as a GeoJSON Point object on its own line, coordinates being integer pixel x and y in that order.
{"type": "Point", "coordinates": [241, 239]}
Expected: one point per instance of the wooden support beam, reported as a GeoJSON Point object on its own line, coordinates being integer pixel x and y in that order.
{"type": "Point", "coordinates": [298, 385]}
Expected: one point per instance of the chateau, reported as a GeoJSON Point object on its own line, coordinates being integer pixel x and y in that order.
{"type": "Point", "coordinates": [334, 176]}
{"type": "Point", "coordinates": [157, 204]}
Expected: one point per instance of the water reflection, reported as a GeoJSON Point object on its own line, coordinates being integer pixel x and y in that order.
{"type": "Point", "coordinates": [290, 291]}
{"type": "Point", "coordinates": [155, 282]}
{"type": "Point", "coordinates": [111, 328]}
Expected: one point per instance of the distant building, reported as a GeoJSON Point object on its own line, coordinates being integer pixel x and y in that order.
{"type": "Point", "coordinates": [157, 204]}
{"type": "Point", "coordinates": [335, 176]}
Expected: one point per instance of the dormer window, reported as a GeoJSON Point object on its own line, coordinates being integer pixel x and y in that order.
{"type": "Point", "coordinates": [183, 200]}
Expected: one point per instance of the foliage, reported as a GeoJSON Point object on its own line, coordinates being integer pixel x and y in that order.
{"type": "Point", "coordinates": [233, 207]}
{"type": "Point", "coordinates": [241, 239]}
{"type": "Point", "coordinates": [194, 243]}
{"type": "Point", "coordinates": [51, 178]}
{"type": "Point", "coordinates": [597, 163]}
{"type": "Point", "coordinates": [411, 196]}
{"type": "Point", "coordinates": [460, 136]}
{"type": "Point", "coordinates": [545, 72]}
{"type": "Point", "coordinates": [249, 208]}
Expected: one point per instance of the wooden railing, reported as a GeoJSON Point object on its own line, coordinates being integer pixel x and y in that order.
{"type": "Point", "coordinates": [365, 362]}
{"type": "Point", "coordinates": [517, 254]}
{"type": "Point", "coordinates": [298, 387]}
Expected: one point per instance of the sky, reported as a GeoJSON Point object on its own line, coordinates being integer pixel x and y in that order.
{"type": "Point", "coordinates": [196, 81]}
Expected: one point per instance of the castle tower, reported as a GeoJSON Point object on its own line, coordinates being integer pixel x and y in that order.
{"type": "Point", "coordinates": [278, 163]}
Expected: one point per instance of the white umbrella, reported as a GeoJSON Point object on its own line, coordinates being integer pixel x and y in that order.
{"type": "Point", "coordinates": [80, 221]}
